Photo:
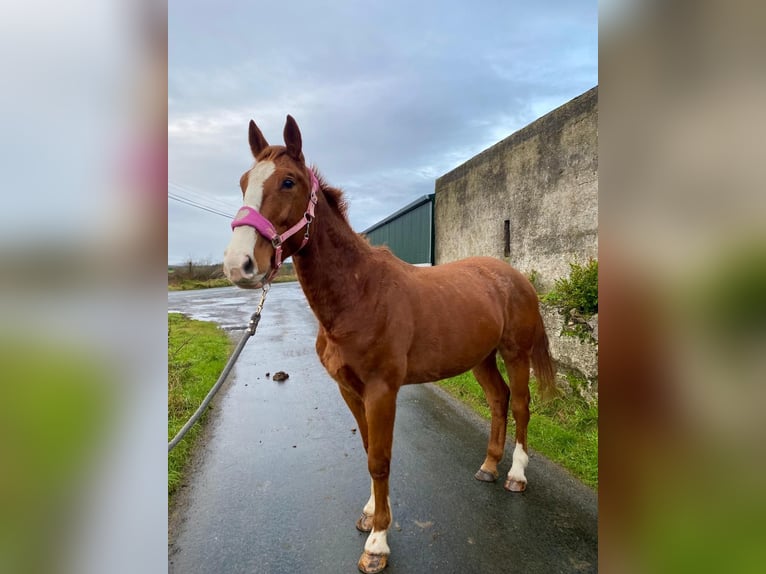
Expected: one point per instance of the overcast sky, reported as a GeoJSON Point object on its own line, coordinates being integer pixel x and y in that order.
{"type": "Point", "coordinates": [389, 95]}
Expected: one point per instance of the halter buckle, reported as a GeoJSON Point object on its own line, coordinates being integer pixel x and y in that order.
{"type": "Point", "coordinates": [276, 241]}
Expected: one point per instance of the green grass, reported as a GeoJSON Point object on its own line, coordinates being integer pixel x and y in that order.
{"type": "Point", "coordinates": [564, 429]}
{"type": "Point", "coordinates": [190, 284]}
{"type": "Point", "coordinates": [197, 353]}
{"type": "Point", "coordinates": [284, 278]}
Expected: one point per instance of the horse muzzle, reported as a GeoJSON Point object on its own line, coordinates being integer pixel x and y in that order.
{"type": "Point", "coordinates": [240, 269]}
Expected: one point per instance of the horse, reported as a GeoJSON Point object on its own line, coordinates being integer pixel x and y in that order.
{"type": "Point", "coordinates": [384, 323]}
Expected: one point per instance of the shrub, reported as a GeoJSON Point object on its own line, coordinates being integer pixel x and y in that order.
{"type": "Point", "coordinates": [576, 298]}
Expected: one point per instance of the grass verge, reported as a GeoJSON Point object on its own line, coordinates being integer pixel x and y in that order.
{"type": "Point", "coordinates": [564, 429]}
{"type": "Point", "coordinates": [190, 284]}
{"type": "Point", "coordinates": [197, 353]}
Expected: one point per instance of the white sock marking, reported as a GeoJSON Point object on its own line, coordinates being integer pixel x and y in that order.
{"type": "Point", "coordinates": [520, 462]}
{"type": "Point", "coordinates": [369, 508]}
{"type": "Point", "coordinates": [376, 543]}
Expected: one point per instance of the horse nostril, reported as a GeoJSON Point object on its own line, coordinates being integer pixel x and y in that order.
{"type": "Point", "coordinates": [247, 266]}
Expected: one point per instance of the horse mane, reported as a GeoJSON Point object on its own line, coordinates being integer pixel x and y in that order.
{"type": "Point", "coordinates": [334, 196]}
{"type": "Point", "coordinates": [337, 202]}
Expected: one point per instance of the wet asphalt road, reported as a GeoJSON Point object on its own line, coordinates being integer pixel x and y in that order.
{"type": "Point", "coordinates": [282, 477]}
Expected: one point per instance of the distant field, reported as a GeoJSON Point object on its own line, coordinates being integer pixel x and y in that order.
{"type": "Point", "coordinates": [206, 276]}
{"type": "Point", "coordinates": [188, 284]}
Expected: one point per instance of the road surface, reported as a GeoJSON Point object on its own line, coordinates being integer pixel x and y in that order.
{"type": "Point", "coordinates": [282, 475]}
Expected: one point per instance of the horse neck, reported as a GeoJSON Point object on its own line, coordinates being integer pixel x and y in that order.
{"type": "Point", "coordinates": [330, 264]}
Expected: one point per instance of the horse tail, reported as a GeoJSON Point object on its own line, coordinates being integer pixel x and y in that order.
{"type": "Point", "coordinates": [545, 372]}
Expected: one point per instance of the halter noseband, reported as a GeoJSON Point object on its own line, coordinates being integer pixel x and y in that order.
{"type": "Point", "coordinates": [252, 218]}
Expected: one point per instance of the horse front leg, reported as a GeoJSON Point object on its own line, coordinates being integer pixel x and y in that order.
{"type": "Point", "coordinates": [380, 408]}
{"type": "Point", "coordinates": [356, 406]}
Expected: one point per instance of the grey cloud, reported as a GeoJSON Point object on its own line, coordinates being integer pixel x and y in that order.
{"type": "Point", "coordinates": [388, 96]}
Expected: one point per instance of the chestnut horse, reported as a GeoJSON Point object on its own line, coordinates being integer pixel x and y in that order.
{"type": "Point", "coordinates": [384, 323]}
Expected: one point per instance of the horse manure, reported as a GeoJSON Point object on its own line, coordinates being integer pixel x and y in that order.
{"type": "Point", "coordinates": [353, 431]}
{"type": "Point", "coordinates": [280, 376]}
{"type": "Point", "coordinates": [268, 375]}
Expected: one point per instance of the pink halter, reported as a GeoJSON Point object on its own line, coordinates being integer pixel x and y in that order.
{"type": "Point", "coordinates": [250, 217]}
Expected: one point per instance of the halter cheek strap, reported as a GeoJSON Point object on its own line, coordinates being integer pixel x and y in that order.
{"type": "Point", "coordinates": [250, 217]}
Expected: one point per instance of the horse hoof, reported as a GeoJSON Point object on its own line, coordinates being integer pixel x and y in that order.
{"type": "Point", "coordinates": [515, 485]}
{"type": "Point", "coordinates": [485, 476]}
{"type": "Point", "coordinates": [372, 563]}
{"type": "Point", "coordinates": [364, 524]}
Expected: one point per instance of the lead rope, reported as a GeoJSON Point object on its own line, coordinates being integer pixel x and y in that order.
{"type": "Point", "coordinates": [249, 332]}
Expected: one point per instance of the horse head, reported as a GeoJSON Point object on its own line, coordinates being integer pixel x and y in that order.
{"type": "Point", "coordinates": [279, 193]}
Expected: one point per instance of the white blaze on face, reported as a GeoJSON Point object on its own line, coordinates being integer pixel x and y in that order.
{"type": "Point", "coordinates": [255, 180]}
{"type": "Point", "coordinates": [243, 238]}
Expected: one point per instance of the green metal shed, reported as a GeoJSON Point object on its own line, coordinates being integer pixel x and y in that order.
{"type": "Point", "coordinates": [409, 232]}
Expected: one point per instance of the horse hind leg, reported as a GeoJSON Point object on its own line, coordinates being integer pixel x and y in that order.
{"type": "Point", "coordinates": [497, 394]}
{"type": "Point", "coordinates": [518, 373]}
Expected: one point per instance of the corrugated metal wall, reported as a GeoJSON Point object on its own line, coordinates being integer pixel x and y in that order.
{"type": "Point", "coordinates": [408, 232]}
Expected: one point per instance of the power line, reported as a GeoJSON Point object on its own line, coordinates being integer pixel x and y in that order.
{"type": "Point", "coordinates": [202, 197]}
{"type": "Point", "coordinates": [198, 200]}
{"type": "Point", "coordinates": [191, 203]}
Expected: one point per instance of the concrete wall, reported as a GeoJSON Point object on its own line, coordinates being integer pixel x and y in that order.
{"type": "Point", "coordinates": [543, 179]}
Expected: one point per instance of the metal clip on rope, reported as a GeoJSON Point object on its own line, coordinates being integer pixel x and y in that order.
{"type": "Point", "coordinates": [249, 332]}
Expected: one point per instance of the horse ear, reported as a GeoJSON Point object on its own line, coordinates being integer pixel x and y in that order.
{"type": "Point", "coordinates": [293, 140]}
{"type": "Point", "coordinates": [257, 142]}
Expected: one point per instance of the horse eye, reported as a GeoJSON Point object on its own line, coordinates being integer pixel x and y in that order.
{"type": "Point", "coordinates": [288, 184]}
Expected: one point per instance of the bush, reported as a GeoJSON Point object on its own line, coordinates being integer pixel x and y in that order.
{"type": "Point", "coordinates": [576, 298]}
